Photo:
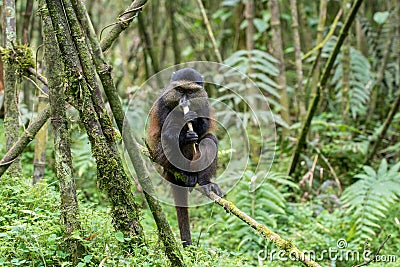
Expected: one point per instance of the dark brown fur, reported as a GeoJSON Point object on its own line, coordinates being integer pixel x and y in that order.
{"type": "Point", "coordinates": [185, 83]}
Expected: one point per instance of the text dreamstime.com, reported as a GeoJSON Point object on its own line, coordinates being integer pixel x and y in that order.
{"type": "Point", "coordinates": [338, 254]}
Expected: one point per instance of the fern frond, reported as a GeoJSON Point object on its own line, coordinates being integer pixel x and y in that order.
{"type": "Point", "coordinates": [369, 199]}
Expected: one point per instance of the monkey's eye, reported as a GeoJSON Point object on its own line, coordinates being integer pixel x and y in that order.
{"type": "Point", "coordinates": [189, 92]}
{"type": "Point", "coordinates": [180, 90]}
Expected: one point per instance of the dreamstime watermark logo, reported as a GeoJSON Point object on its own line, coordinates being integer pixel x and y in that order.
{"type": "Point", "coordinates": [238, 109]}
{"type": "Point", "coordinates": [340, 253]}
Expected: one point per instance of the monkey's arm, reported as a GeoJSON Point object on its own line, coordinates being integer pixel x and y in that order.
{"type": "Point", "coordinates": [209, 149]}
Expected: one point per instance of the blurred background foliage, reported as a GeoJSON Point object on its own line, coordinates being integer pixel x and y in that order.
{"type": "Point", "coordinates": [332, 195]}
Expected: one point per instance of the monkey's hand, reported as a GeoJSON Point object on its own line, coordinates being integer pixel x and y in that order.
{"type": "Point", "coordinates": [191, 179]}
{"type": "Point", "coordinates": [212, 187]}
{"type": "Point", "coordinates": [190, 116]}
{"type": "Point", "coordinates": [191, 137]}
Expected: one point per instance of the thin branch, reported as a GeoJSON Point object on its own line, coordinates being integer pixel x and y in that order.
{"type": "Point", "coordinates": [39, 76]}
{"type": "Point", "coordinates": [37, 86]}
{"type": "Point", "coordinates": [328, 35]}
{"type": "Point", "coordinates": [209, 30]}
{"type": "Point", "coordinates": [122, 23]}
{"type": "Point", "coordinates": [337, 180]}
{"type": "Point", "coordinates": [282, 244]}
{"type": "Point", "coordinates": [365, 263]}
{"type": "Point", "coordinates": [24, 140]}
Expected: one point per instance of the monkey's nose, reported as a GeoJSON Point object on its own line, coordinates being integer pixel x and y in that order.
{"type": "Point", "coordinates": [183, 101]}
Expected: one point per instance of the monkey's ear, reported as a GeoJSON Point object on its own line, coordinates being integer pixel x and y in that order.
{"type": "Point", "coordinates": [172, 76]}
{"type": "Point", "coordinates": [201, 82]}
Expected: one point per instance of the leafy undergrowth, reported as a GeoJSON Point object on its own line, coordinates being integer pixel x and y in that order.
{"type": "Point", "coordinates": [31, 233]}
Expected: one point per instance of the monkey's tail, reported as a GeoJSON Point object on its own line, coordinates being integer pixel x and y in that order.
{"type": "Point", "coordinates": [182, 213]}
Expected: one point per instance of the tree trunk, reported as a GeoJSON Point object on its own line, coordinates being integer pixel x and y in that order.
{"type": "Point", "coordinates": [171, 7]}
{"type": "Point", "coordinates": [165, 233]}
{"type": "Point", "coordinates": [305, 36]}
{"type": "Point", "coordinates": [320, 36]}
{"type": "Point", "coordinates": [147, 44]}
{"type": "Point", "coordinates": [378, 83]}
{"type": "Point", "coordinates": [297, 55]}
{"type": "Point", "coordinates": [62, 148]}
{"type": "Point", "coordinates": [14, 152]}
{"type": "Point", "coordinates": [11, 115]}
{"type": "Point", "coordinates": [39, 159]}
{"type": "Point", "coordinates": [249, 15]}
{"type": "Point", "coordinates": [86, 98]}
{"type": "Point", "coordinates": [278, 53]}
{"type": "Point", "coordinates": [346, 68]}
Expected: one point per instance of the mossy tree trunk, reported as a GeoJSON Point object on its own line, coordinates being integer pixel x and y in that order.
{"type": "Point", "coordinates": [11, 120]}
{"type": "Point", "coordinates": [345, 90]}
{"type": "Point", "coordinates": [28, 135]}
{"type": "Point", "coordinates": [104, 71]}
{"type": "Point", "coordinates": [86, 97]}
{"type": "Point", "coordinates": [62, 148]}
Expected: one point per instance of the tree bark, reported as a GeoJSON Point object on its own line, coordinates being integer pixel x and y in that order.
{"type": "Point", "coordinates": [28, 135]}
{"type": "Point", "coordinates": [305, 35]}
{"type": "Point", "coordinates": [62, 147]}
{"type": "Point", "coordinates": [171, 7]}
{"type": "Point", "coordinates": [87, 100]}
{"type": "Point", "coordinates": [316, 70]}
{"type": "Point", "coordinates": [278, 54]}
{"type": "Point", "coordinates": [11, 115]}
{"type": "Point", "coordinates": [297, 55]}
{"type": "Point", "coordinates": [249, 15]}
{"type": "Point", "coordinates": [39, 159]}
{"type": "Point", "coordinates": [346, 68]}
{"type": "Point", "coordinates": [104, 71]}
{"type": "Point", "coordinates": [123, 22]}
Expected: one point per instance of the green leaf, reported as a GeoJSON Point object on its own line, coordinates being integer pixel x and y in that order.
{"type": "Point", "coordinates": [260, 25]}
{"type": "Point", "coordinates": [87, 258]}
{"type": "Point", "coordinates": [381, 17]}
{"type": "Point", "coordinates": [119, 236]}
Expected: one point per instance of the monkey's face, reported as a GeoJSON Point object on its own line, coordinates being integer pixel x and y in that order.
{"type": "Point", "coordinates": [183, 89]}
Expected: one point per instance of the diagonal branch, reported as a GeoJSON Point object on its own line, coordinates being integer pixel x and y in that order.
{"type": "Point", "coordinates": [122, 23]}
{"type": "Point", "coordinates": [24, 140]}
{"type": "Point", "coordinates": [287, 246]}
{"type": "Point", "coordinates": [322, 83]}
